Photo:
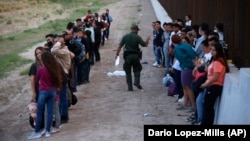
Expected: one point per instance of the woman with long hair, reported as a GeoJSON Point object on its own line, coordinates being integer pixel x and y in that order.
{"type": "Point", "coordinates": [50, 79]}
{"type": "Point", "coordinates": [214, 83]}
{"type": "Point", "coordinates": [33, 70]}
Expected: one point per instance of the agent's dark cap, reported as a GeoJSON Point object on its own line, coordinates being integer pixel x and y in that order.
{"type": "Point", "coordinates": [135, 27]}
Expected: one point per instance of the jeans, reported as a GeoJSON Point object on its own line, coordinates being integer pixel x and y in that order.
{"type": "Point", "coordinates": [56, 114]}
{"type": "Point", "coordinates": [199, 105]}
{"type": "Point", "coordinates": [86, 70]}
{"type": "Point", "coordinates": [167, 59]}
{"type": "Point", "coordinates": [158, 54]}
{"type": "Point", "coordinates": [63, 103]}
{"type": "Point", "coordinates": [45, 98]}
{"type": "Point", "coordinates": [212, 93]}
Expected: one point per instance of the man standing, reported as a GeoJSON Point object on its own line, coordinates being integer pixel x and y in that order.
{"type": "Point", "coordinates": [109, 19]}
{"type": "Point", "coordinates": [132, 55]}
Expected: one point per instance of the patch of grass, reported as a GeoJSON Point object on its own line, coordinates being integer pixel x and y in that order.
{"type": "Point", "coordinates": [10, 62]}
{"type": "Point", "coordinates": [138, 8]}
{"type": "Point", "coordinates": [25, 71]}
{"type": "Point", "coordinates": [15, 43]}
{"type": "Point", "coordinates": [9, 21]}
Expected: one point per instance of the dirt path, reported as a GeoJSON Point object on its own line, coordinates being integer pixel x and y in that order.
{"type": "Point", "coordinates": [105, 111]}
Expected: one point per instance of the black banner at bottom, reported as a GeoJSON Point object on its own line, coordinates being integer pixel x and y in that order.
{"type": "Point", "coordinates": [191, 132]}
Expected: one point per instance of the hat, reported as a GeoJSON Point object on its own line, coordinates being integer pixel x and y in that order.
{"type": "Point", "coordinates": [135, 27]}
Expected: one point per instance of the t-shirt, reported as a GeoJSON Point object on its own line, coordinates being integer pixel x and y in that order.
{"type": "Point", "coordinates": [44, 79]}
{"type": "Point", "coordinates": [216, 66]}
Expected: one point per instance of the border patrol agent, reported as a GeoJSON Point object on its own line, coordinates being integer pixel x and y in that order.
{"type": "Point", "coordinates": [132, 55]}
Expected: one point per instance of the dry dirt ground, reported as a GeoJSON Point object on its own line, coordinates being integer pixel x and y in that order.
{"type": "Point", "coordinates": [105, 111]}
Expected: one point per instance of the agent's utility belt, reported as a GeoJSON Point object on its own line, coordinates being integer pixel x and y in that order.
{"type": "Point", "coordinates": [126, 53]}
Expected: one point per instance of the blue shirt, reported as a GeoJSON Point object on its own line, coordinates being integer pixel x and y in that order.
{"type": "Point", "coordinates": [185, 54]}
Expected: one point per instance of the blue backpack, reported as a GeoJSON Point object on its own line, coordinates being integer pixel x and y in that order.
{"type": "Point", "coordinates": [80, 51]}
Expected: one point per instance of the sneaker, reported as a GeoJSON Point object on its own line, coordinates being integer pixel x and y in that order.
{"type": "Point", "coordinates": [54, 130]}
{"type": "Point", "coordinates": [190, 110]}
{"type": "Point", "coordinates": [155, 64]}
{"type": "Point", "coordinates": [43, 132]}
{"type": "Point", "coordinates": [47, 134]}
{"type": "Point", "coordinates": [181, 100]}
{"type": "Point", "coordinates": [181, 107]}
{"type": "Point", "coordinates": [34, 135]}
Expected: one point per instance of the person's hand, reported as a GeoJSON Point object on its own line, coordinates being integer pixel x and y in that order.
{"type": "Point", "coordinates": [148, 38]}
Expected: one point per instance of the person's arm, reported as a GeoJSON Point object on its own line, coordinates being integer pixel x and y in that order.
{"type": "Point", "coordinates": [32, 82]}
{"type": "Point", "coordinates": [211, 81]}
{"type": "Point", "coordinates": [118, 51]}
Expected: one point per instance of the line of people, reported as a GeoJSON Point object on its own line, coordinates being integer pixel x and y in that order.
{"type": "Point", "coordinates": [63, 63]}
{"type": "Point", "coordinates": [194, 55]}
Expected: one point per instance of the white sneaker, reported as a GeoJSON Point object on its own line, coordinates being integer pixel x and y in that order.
{"type": "Point", "coordinates": [181, 100]}
{"type": "Point", "coordinates": [34, 135]}
{"type": "Point", "coordinates": [54, 130]}
{"type": "Point", "coordinates": [47, 134]}
{"type": "Point", "coordinates": [43, 132]}
{"type": "Point", "coordinates": [155, 64]}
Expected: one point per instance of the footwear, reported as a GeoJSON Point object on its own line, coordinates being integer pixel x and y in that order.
{"type": "Point", "coordinates": [181, 107]}
{"type": "Point", "coordinates": [130, 89]}
{"type": "Point", "coordinates": [190, 110]}
{"type": "Point", "coordinates": [47, 134]}
{"type": "Point", "coordinates": [43, 132]}
{"type": "Point", "coordinates": [160, 66]}
{"type": "Point", "coordinates": [34, 135]}
{"type": "Point", "coordinates": [181, 100]}
{"type": "Point", "coordinates": [54, 130]}
{"type": "Point", "coordinates": [155, 64]}
{"type": "Point", "coordinates": [138, 86]}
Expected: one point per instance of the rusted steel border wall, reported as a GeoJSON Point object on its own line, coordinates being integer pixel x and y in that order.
{"type": "Point", "coordinates": [234, 14]}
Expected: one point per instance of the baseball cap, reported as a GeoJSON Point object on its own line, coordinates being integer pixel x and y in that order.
{"type": "Point", "coordinates": [135, 27]}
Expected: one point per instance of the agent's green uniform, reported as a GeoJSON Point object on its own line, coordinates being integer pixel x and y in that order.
{"type": "Point", "coordinates": [131, 44]}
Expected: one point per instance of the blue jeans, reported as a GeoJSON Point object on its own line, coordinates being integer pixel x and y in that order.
{"type": "Point", "coordinates": [167, 59]}
{"type": "Point", "coordinates": [45, 98]}
{"type": "Point", "coordinates": [199, 105]}
{"type": "Point", "coordinates": [63, 103]}
{"type": "Point", "coordinates": [158, 55]}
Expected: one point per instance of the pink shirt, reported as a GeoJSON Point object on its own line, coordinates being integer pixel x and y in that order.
{"type": "Point", "coordinates": [44, 79]}
{"type": "Point", "coordinates": [216, 66]}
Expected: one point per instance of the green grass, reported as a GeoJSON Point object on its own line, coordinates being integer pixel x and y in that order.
{"type": "Point", "coordinates": [14, 44]}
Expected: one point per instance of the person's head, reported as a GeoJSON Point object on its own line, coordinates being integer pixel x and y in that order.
{"type": "Point", "coordinates": [186, 40]}
{"type": "Point", "coordinates": [212, 41]}
{"type": "Point", "coordinates": [176, 39]}
{"type": "Point", "coordinates": [134, 28]}
{"type": "Point", "coordinates": [167, 27]}
{"type": "Point", "coordinates": [81, 33]}
{"type": "Point", "coordinates": [61, 39]}
{"type": "Point", "coordinates": [154, 25]}
{"type": "Point", "coordinates": [158, 24]}
{"type": "Point", "coordinates": [38, 52]}
{"type": "Point", "coordinates": [213, 34]}
{"type": "Point", "coordinates": [79, 22]}
{"type": "Point", "coordinates": [176, 27]}
{"type": "Point", "coordinates": [205, 46]}
{"type": "Point", "coordinates": [50, 39]}
{"type": "Point", "coordinates": [70, 25]}
{"type": "Point", "coordinates": [107, 11]}
{"type": "Point", "coordinates": [218, 54]}
{"type": "Point", "coordinates": [219, 27]}
{"type": "Point", "coordinates": [180, 22]}
{"type": "Point", "coordinates": [188, 17]}
{"type": "Point", "coordinates": [203, 28]}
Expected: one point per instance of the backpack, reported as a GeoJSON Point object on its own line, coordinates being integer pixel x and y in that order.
{"type": "Point", "coordinates": [171, 89]}
{"type": "Point", "coordinates": [79, 50]}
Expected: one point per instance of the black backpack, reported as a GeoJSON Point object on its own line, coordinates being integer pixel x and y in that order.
{"type": "Point", "coordinates": [79, 50]}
